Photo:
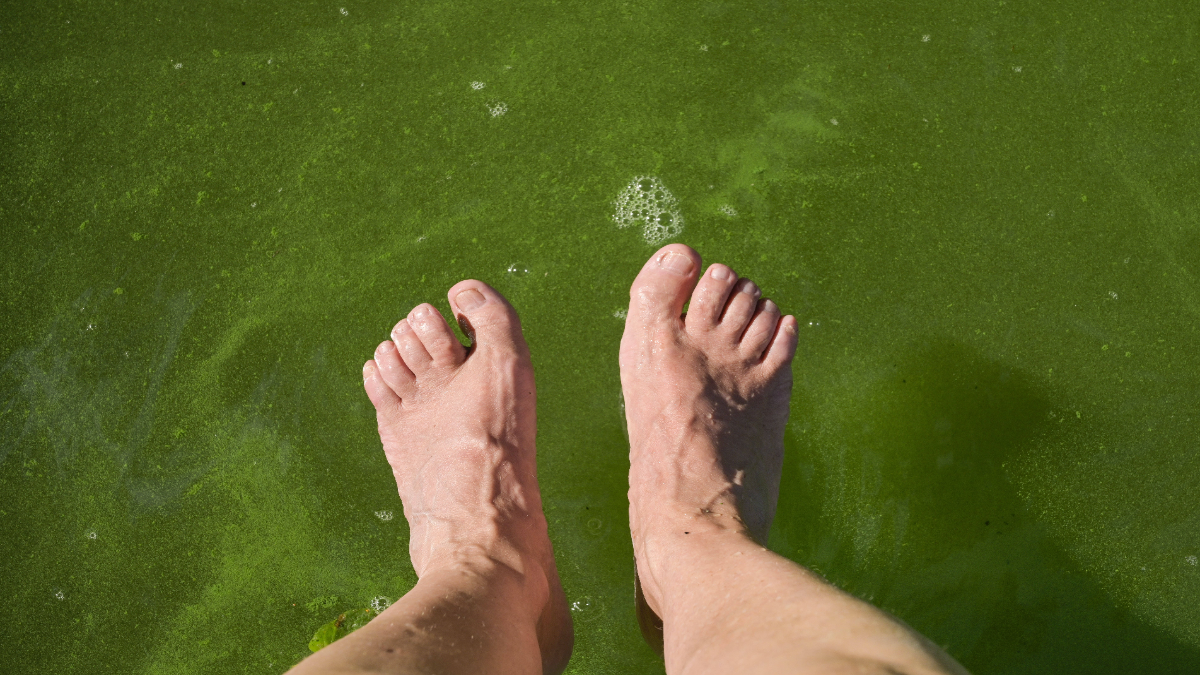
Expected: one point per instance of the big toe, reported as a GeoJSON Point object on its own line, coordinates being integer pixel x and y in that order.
{"type": "Point", "coordinates": [486, 316]}
{"type": "Point", "coordinates": [664, 284]}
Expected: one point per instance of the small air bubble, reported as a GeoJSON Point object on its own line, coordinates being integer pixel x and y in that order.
{"type": "Point", "coordinates": [385, 516]}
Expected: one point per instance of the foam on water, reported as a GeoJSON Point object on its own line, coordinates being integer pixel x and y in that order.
{"type": "Point", "coordinates": [647, 202]}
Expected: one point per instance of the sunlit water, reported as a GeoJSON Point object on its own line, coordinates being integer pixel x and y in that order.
{"type": "Point", "coordinates": [983, 215]}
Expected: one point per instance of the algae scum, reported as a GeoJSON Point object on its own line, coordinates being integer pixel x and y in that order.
{"type": "Point", "coordinates": [983, 215]}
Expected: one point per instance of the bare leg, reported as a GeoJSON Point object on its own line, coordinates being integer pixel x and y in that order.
{"type": "Point", "coordinates": [706, 399]}
{"type": "Point", "coordinates": [458, 429]}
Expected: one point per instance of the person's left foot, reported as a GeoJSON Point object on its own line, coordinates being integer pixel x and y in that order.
{"type": "Point", "coordinates": [458, 428]}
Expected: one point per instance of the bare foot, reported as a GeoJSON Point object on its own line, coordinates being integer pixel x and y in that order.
{"type": "Point", "coordinates": [706, 400]}
{"type": "Point", "coordinates": [458, 428]}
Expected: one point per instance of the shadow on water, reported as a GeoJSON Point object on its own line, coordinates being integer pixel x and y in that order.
{"type": "Point", "coordinates": [896, 490]}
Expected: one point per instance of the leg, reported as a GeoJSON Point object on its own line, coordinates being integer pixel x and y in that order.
{"type": "Point", "coordinates": [707, 398]}
{"type": "Point", "coordinates": [458, 429]}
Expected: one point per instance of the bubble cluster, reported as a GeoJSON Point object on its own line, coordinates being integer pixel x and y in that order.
{"type": "Point", "coordinates": [477, 85]}
{"type": "Point", "coordinates": [384, 515]}
{"type": "Point", "coordinates": [647, 202]}
{"type": "Point", "coordinates": [1191, 560]}
{"type": "Point", "coordinates": [498, 109]}
{"type": "Point", "coordinates": [728, 210]}
{"type": "Point", "coordinates": [380, 603]}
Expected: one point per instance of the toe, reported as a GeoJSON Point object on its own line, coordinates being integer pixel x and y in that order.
{"type": "Point", "coordinates": [393, 371]}
{"type": "Point", "coordinates": [663, 285]}
{"type": "Point", "coordinates": [709, 298]}
{"type": "Point", "coordinates": [779, 352]}
{"type": "Point", "coordinates": [760, 331]}
{"type": "Point", "coordinates": [439, 341]}
{"type": "Point", "coordinates": [486, 316]}
{"type": "Point", "coordinates": [412, 351]}
{"type": "Point", "coordinates": [382, 396]}
{"type": "Point", "coordinates": [740, 308]}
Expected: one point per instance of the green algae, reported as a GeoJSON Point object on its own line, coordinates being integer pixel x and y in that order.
{"type": "Point", "coordinates": [194, 270]}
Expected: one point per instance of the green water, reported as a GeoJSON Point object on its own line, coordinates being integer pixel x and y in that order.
{"type": "Point", "coordinates": [213, 212]}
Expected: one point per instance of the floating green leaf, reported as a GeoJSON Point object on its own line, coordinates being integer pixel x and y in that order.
{"type": "Point", "coordinates": [346, 623]}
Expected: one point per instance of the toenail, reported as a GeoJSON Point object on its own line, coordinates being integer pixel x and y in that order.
{"type": "Point", "coordinates": [677, 263]}
{"type": "Point", "coordinates": [721, 273]}
{"type": "Point", "coordinates": [469, 299]}
{"type": "Point", "coordinates": [420, 311]}
{"type": "Point", "coordinates": [400, 328]}
{"type": "Point", "coordinates": [769, 306]}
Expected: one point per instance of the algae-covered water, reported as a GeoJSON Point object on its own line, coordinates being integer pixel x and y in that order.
{"type": "Point", "coordinates": [984, 215]}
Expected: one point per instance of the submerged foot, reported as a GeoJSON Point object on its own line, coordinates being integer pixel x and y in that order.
{"type": "Point", "coordinates": [706, 401]}
{"type": "Point", "coordinates": [458, 428]}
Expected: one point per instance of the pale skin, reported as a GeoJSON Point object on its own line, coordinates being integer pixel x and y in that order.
{"type": "Point", "coordinates": [706, 399]}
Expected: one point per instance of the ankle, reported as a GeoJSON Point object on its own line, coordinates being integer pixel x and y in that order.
{"type": "Point", "coordinates": [673, 558]}
{"type": "Point", "coordinates": [502, 571]}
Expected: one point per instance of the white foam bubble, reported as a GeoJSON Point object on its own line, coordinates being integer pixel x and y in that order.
{"type": "Point", "coordinates": [380, 603]}
{"type": "Point", "coordinates": [384, 515]}
{"type": "Point", "coordinates": [477, 85]}
{"type": "Point", "coordinates": [728, 210]}
{"type": "Point", "coordinates": [647, 202]}
{"type": "Point", "coordinates": [498, 109]}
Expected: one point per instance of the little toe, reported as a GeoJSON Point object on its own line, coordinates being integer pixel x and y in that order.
{"type": "Point", "coordinates": [740, 308]}
{"type": "Point", "coordinates": [381, 394]}
{"type": "Point", "coordinates": [660, 289]}
{"type": "Point", "coordinates": [486, 316]}
{"type": "Point", "coordinates": [440, 342]}
{"type": "Point", "coordinates": [412, 352]}
{"type": "Point", "coordinates": [761, 329]}
{"type": "Point", "coordinates": [393, 371]}
{"type": "Point", "coordinates": [779, 352]}
{"type": "Point", "coordinates": [709, 298]}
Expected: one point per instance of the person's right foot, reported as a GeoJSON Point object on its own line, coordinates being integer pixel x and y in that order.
{"type": "Point", "coordinates": [706, 401]}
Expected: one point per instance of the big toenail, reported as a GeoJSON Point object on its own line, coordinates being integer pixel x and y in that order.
{"type": "Point", "coordinates": [469, 299]}
{"type": "Point", "coordinates": [677, 263]}
{"type": "Point", "coordinates": [769, 306]}
{"type": "Point", "coordinates": [721, 273]}
{"type": "Point", "coordinates": [420, 312]}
